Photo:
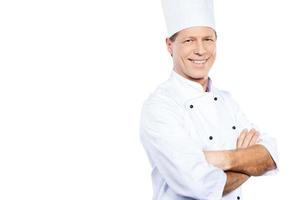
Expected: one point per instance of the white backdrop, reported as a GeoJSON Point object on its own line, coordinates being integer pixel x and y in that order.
{"type": "Point", "coordinates": [74, 75]}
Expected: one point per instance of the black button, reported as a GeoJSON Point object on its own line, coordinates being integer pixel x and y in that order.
{"type": "Point", "coordinates": [210, 137]}
{"type": "Point", "coordinates": [238, 197]}
{"type": "Point", "coordinates": [233, 127]}
{"type": "Point", "coordinates": [216, 98]}
{"type": "Point", "coordinates": [191, 106]}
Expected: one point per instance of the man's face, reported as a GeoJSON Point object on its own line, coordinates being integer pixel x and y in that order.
{"type": "Point", "coordinates": [194, 52]}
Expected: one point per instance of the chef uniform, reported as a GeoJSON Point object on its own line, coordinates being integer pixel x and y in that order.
{"type": "Point", "coordinates": [180, 120]}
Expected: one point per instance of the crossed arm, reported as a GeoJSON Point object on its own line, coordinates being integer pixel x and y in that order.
{"type": "Point", "coordinates": [248, 159]}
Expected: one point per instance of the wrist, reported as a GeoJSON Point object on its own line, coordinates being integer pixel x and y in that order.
{"type": "Point", "coordinates": [230, 157]}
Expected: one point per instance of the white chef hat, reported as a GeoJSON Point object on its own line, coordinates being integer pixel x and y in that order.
{"type": "Point", "coordinates": [182, 14]}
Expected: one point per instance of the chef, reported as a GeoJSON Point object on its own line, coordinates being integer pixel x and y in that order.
{"type": "Point", "coordinates": [199, 143]}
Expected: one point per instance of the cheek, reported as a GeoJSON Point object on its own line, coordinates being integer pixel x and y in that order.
{"type": "Point", "coordinates": [212, 58]}
{"type": "Point", "coordinates": [181, 53]}
{"type": "Point", "coordinates": [212, 50]}
{"type": "Point", "coordinates": [186, 52]}
{"type": "Point", "coordinates": [212, 53]}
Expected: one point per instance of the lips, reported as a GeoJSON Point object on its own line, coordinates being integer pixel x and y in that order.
{"type": "Point", "coordinates": [198, 61]}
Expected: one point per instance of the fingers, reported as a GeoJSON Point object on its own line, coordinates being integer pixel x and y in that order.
{"type": "Point", "coordinates": [247, 138]}
{"type": "Point", "coordinates": [254, 139]}
{"type": "Point", "coordinates": [241, 138]}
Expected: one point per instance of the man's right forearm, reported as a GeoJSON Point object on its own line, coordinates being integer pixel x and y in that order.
{"type": "Point", "coordinates": [234, 180]}
{"type": "Point", "coordinates": [254, 160]}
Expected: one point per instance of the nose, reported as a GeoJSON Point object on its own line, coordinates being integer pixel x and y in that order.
{"type": "Point", "coordinates": [199, 49]}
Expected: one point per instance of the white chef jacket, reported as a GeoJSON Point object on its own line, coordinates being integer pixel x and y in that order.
{"type": "Point", "coordinates": [179, 121]}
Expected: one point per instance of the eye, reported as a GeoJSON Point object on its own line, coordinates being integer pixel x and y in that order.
{"type": "Point", "coordinates": [188, 41]}
{"type": "Point", "coordinates": [209, 39]}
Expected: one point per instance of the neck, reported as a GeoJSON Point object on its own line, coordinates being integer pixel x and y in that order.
{"type": "Point", "coordinates": [203, 82]}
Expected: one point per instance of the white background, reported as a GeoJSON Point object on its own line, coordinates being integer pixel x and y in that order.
{"type": "Point", "coordinates": [74, 75]}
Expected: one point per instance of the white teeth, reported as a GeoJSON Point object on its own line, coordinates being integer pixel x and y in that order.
{"type": "Point", "coordinates": [198, 61]}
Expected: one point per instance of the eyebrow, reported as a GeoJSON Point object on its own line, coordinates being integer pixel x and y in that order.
{"type": "Point", "coordinates": [195, 37]}
{"type": "Point", "coordinates": [209, 36]}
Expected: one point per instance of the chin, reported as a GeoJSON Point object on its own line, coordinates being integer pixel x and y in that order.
{"type": "Point", "coordinates": [196, 74]}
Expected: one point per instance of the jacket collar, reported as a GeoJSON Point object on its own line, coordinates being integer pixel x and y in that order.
{"type": "Point", "coordinates": [188, 89]}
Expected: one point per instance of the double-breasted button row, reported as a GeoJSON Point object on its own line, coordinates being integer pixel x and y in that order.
{"type": "Point", "coordinates": [215, 98]}
{"type": "Point", "coordinates": [211, 138]}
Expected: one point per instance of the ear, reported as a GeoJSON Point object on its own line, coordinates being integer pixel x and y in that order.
{"type": "Point", "coordinates": [169, 45]}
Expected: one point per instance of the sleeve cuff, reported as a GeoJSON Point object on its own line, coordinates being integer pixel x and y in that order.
{"type": "Point", "coordinates": [220, 185]}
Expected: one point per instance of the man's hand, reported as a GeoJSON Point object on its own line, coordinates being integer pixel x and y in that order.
{"type": "Point", "coordinates": [247, 138]}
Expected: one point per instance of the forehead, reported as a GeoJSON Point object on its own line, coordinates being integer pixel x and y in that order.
{"type": "Point", "coordinates": [197, 31]}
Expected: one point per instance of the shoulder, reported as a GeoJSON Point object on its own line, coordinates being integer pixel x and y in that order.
{"type": "Point", "coordinates": [162, 104]}
{"type": "Point", "coordinates": [164, 94]}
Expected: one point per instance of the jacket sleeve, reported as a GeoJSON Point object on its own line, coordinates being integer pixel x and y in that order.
{"type": "Point", "coordinates": [177, 157]}
{"type": "Point", "coordinates": [265, 139]}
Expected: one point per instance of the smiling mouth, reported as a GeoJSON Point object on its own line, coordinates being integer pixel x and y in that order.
{"type": "Point", "coordinates": [198, 62]}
